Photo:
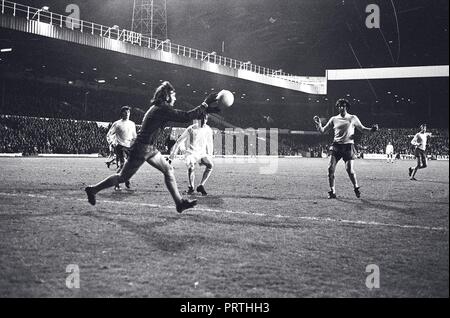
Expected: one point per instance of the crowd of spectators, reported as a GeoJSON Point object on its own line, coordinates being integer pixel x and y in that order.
{"type": "Point", "coordinates": [438, 143]}
{"type": "Point", "coordinates": [303, 145]}
{"type": "Point", "coordinates": [30, 136]}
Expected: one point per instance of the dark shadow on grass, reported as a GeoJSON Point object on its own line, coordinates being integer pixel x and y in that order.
{"type": "Point", "coordinates": [153, 234]}
{"type": "Point", "coordinates": [411, 201]}
{"type": "Point", "coordinates": [430, 181]}
{"type": "Point", "coordinates": [117, 195]}
{"type": "Point", "coordinates": [18, 216]}
{"type": "Point", "coordinates": [216, 201]}
{"type": "Point", "coordinates": [212, 201]}
{"type": "Point", "coordinates": [229, 196]}
{"type": "Point", "coordinates": [364, 204]}
{"type": "Point", "coordinates": [208, 221]}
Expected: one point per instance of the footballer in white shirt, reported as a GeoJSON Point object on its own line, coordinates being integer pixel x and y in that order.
{"type": "Point", "coordinates": [419, 143]}
{"type": "Point", "coordinates": [197, 139]}
{"type": "Point", "coordinates": [390, 153]}
{"type": "Point", "coordinates": [122, 135]}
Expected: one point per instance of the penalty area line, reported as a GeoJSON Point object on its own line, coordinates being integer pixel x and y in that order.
{"type": "Point", "coordinates": [200, 209]}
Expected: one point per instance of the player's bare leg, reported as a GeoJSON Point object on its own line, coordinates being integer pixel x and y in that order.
{"type": "Point", "coordinates": [349, 166]}
{"type": "Point", "coordinates": [129, 169]}
{"type": "Point", "coordinates": [160, 163]}
{"type": "Point", "coordinates": [206, 174]}
{"type": "Point", "coordinates": [191, 178]}
{"type": "Point", "coordinates": [331, 170]}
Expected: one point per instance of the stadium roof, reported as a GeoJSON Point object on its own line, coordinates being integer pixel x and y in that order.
{"type": "Point", "coordinates": [303, 37]}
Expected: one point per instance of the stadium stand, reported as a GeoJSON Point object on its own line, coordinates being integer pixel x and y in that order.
{"type": "Point", "coordinates": [31, 136]}
{"type": "Point", "coordinates": [438, 144]}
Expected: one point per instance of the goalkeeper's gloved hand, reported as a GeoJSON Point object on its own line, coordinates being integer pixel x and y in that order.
{"type": "Point", "coordinates": [211, 99]}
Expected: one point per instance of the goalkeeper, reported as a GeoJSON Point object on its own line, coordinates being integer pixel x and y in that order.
{"type": "Point", "coordinates": [144, 148]}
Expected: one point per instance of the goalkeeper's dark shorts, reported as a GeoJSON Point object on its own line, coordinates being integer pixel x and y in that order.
{"type": "Point", "coordinates": [142, 152]}
{"type": "Point", "coordinates": [346, 152]}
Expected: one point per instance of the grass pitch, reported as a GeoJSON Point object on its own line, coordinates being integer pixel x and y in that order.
{"type": "Point", "coordinates": [254, 236]}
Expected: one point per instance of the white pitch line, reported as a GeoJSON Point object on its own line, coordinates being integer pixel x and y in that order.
{"type": "Point", "coordinates": [199, 209]}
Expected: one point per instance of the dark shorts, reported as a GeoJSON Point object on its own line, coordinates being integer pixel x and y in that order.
{"type": "Point", "coordinates": [421, 156]}
{"type": "Point", "coordinates": [142, 152]}
{"type": "Point", "coordinates": [346, 152]}
{"type": "Point", "coordinates": [121, 153]}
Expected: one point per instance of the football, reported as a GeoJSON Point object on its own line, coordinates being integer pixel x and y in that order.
{"type": "Point", "coordinates": [225, 98]}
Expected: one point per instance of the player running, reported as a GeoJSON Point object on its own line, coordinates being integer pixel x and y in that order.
{"type": "Point", "coordinates": [123, 134]}
{"type": "Point", "coordinates": [199, 140]}
{"type": "Point", "coordinates": [420, 145]}
{"type": "Point", "coordinates": [111, 160]}
{"type": "Point", "coordinates": [144, 148]}
{"type": "Point", "coordinates": [390, 153]}
{"type": "Point", "coordinates": [343, 146]}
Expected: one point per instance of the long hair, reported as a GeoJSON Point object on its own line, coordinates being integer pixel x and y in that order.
{"type": "Point", "coordinates": [343, 102]}
{"type": "Point", "coordinates": [162, 93]}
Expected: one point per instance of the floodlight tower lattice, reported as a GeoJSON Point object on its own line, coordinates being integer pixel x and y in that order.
{"type": "Point", "coordinates": [150, 18]}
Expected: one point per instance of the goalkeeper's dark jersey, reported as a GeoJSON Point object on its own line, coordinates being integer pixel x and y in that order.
{"type": "Point", "coordinates": [157, 117]}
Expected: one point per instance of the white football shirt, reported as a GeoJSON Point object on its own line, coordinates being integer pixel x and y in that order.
{"type": "Point", "coordinates": [198, 141]}
{"type": "Point", "coordinates": [389, 149]}
{"type": "Point", "coordinates": [420, 140]}
{"type": "Point", "coordinates": [123, 131]}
